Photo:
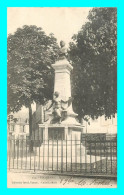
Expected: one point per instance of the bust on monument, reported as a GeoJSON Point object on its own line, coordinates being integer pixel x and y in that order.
{"type": "Point", "coordinates": [63, 51]}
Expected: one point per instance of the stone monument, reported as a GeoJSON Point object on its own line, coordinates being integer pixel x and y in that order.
{"type": "Point", "coordinates": [62, 122]}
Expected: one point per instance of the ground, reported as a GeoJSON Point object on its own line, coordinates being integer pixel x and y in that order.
{"type": "Point", "coordinates": [28, 179]}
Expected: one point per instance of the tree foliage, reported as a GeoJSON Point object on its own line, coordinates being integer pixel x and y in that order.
{"type": "Point", "coordinates": [93, 54]}
{"type": "Point", "coordinates": [30, 78]}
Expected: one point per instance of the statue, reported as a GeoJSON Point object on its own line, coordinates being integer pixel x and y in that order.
{"type": "Point", "coordinates": [63, 51]}
{"type": "Point", "coordinates": [58, 109]}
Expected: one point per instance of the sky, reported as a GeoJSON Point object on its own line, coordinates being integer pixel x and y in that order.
{"type": "Point", "coordinates": [63, 22]}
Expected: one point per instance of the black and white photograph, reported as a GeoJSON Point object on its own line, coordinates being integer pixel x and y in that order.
{"type": "Point", "coordinates": [62, 97]}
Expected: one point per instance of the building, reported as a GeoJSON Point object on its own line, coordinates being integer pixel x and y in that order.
{"type": "Point", "coordinates": [17, 127]}
{"type": "Point", "coordinates": [101, 125]}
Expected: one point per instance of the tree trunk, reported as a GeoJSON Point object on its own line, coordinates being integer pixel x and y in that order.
{"type": "Point", "coordinates": [30, 128]}
{"type": "Point", "coordinates": [80, 118]}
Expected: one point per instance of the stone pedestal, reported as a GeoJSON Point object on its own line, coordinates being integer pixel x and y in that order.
{"type": "Point", "coordinates": [62, 85]}
{"type": "Point", "coordinates": [62, 78]}
{"type": "Point", "coordinates": [60, 131]}
{"type": "Point", "coordinates": [69, 128]}
{"type": "Point", "coordinates": [66, 139]}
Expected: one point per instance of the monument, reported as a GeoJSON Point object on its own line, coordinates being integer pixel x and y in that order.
{"type": "Point", "coordinates": [62, 122]}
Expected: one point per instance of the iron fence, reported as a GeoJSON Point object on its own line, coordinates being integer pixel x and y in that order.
{"type": "Point", "coordinates": [84, 156]}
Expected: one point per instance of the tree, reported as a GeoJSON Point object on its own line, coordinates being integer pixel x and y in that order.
{"type": "Point", "coordinates": [93, 54]}
{"type": "Point", "coordinates": [30, 77]}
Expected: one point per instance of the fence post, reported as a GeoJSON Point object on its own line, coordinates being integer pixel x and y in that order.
{"type": "Point", "coordinates": [85, 141]}
{"type": "Point", "coordinates": [13, 154]}
{"type": "Point", "coordinates": [22, 154]}
{"type": "Point", "coordinates": [48, 157]}
{"type": "Point", "coordinates": [26, 154]}
{"type": "Point", "coordinates": [17, 143]}
{"type": "Point", "coordinates": [30, 151]}
{"type": "Point", "coordinates": [66, 152]}
{"type": "Point", "coordinates": [34, 149]}
{"type": "Point", "coordinates": [96, 150]}
{"type": "Point", "coordinates": [9, 152]}
{"type": "Point", "coordinates": [75, 153]}
{"type": "Point", "coordinates": [101, 156]}
{"type": "Point", "coordinates": [80, 155]}
{"type": "Point", "coordinates": [111, 152]}
{"type": "Point", "coordinates": [116, 151]}
{"type": "Point", "coordinates": [90, 157]}
{"type": "Point", "coordinates": [57, 152]}
{"type": "Point", "coordinates": [71, 152]}
{"type": "Point", "coordinates": [43, 153]}
{"type": "Point", "coordinates": [52, 151]}
{"type": "Point", "coordinates": [62, 155]}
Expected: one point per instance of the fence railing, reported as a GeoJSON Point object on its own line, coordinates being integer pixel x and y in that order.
{"type": "Point", "coordinates": [85, 156]}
